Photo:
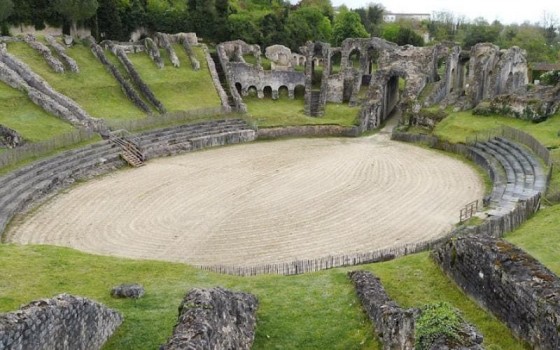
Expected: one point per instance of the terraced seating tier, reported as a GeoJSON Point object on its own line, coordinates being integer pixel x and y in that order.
{"type": "Point", "coordinates": [169, 141]}
{"type": "Point", "coordinates": [40, 178]}
{"type": "Point", "coordinates": [523, 176]}
{"type": "Point", "coordinates": [32, 182]}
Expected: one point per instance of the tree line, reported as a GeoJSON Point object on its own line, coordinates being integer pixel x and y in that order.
{"type": "Point", "coordinates": [269, 22]}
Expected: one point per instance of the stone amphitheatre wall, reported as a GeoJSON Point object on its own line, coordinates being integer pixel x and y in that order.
{"type": "Point", "coordinates": [215, 319]}
{"type": "Point", "coordinates": [397, 327]}
{"type": "Point", "coordinates": [63, 322]}
{"type": "Point", "coordinates": [507, 281]}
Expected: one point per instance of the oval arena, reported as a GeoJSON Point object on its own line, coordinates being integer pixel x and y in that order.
{"type": "Point", "coordinates": [261, 203]}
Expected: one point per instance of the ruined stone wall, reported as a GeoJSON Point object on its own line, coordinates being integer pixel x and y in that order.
{"type": "Point", "coordinates": [394, 325]}
{"type": "Point", "coordinates": [215, 319]}
{"type": "Point", "coordinates": [514, 286]}
{"type": "Point", "coordinates": [63, 322]}
{"type": "Point", "coordinates": [9, 137]}
{"type": "Point", "coordinates": [61, 51]}
{"type": "Point", "coordinates": [222, 52]}
{"type": "Point", "coordinates": [400, 328]}
{"type": "Point", "coordinates": [248, 76]}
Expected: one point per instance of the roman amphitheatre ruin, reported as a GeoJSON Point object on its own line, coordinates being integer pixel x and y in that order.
{"type": "Point", "coordinates": [280, 199]}
{"type": "Point", "coordinates": [262, 203]}
{"type": "Point", "coordinates": [283, 201]}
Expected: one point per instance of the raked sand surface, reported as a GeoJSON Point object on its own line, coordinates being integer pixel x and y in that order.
{"type": "Point", "coordinates": [261, 203]}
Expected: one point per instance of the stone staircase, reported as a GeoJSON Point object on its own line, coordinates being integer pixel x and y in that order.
{"type": "Point", "coordinates": [34, 181]}
{"type": "Point", "coordinates": [315, 104]}
{"type": "Point", "coordinates": [185, 138]}
{"type": "Point", "coordinates": [130, 151]}
{"type": "Point", "coordinates": [515, 171]}
{"type": "Point", "coordinates": [223, 80]}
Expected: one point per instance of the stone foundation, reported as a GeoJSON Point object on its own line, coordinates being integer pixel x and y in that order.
{"type": "Point", "coordinates": [504, 279]}
{"type": "Point", "coordinates": [215, 319]}
{"type": "Point", "coordinates": [63, 322]}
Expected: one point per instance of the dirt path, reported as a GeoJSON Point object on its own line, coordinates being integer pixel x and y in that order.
{"type": "Point", "coordinates": [261, 203]}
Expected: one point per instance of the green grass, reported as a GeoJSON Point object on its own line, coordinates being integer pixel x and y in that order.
{"type": "Point", "coordinates": [179, 89]}
{"type": "Point", "coordinates": [312, 311]}
{"type": "Point", "coordinates": [94, 89]}
{"type": "Point", "coordinates": [31, 121]}
{"type": "Point", "coordinates": [457, 126]}
{"type": "Point", "coordinates": [282, 112]}
{"type": "Point", "coordinates": [540, 237]}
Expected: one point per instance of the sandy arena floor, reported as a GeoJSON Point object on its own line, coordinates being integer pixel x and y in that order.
{"type": "Point", "coordinates": [261, 203]}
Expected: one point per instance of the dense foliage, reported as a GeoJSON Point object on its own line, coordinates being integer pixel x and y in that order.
{"type": "Point", "coordinates": [267, 22]}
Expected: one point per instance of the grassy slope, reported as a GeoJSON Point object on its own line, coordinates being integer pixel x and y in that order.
{"type": "Point", "coordinates": [32, 122]}
{"type": "Point", "coordinates": [312, 311]}
{"type": "Point", "coordinates": [267, 112]}
{"type": "Point", "coordinates": [540, 237]}
{"type": "Point", "coordinates": [93, 88]}
{"type": "Point", "coordinates": [179, 89]}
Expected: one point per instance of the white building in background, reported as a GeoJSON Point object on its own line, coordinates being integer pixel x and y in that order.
{"type": "Point", "coordinates": [395, 17]}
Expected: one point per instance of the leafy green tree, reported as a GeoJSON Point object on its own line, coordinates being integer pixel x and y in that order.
{"type": "Point", "coordinates": [307, 23]}
{"type": "Point", "coordinates": [347, 24]}
{"type": "Point", "coordinates": [76, 10]}
{"type": "Point", "coordinates": [6, 9]}
{"type": "Point", "coordinates": [109, 24]}
{"type": "Point", "coordinates": [202, 16]}
{"type": "Point", "coordinates": [325, 6]}
{"type": "Point", "coordinates": [402, 33]}
{"type": "Point", "coordinates": [133, 16]}
{"type": "Point", "coordinates": [532, 39]}
{"type": "Point", "coordinates": [481, 32]}
{"type": "Point", "coordinates": [244, 27]}
{"type": "Point", "coordinates": [222, 29]}
{"type": "Point", "coordinates": [372, 18]}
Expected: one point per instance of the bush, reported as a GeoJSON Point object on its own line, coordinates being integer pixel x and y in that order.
{"type": "Point", "coordinates": [439, 320]}
{"type": "Point", "coordinates": [550, 78]}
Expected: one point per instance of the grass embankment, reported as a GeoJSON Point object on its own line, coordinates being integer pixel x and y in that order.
{"type": "Point", "coordinates": [282, 112]}
{"type": "Point", "coordinates": [539, 236]}
{"type": "Point", "coordinates": [94, 89]}
{"type": "Point", "coordinates": [29, 120]}
{"type": "Point", "coordinates": [179, 89]}
{"type": "Point", "coordinates": [312, 311]}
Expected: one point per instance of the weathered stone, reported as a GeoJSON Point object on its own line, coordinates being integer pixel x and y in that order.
{"type": "Point", "coordinates": [9, 137]}
{"type": "Point", "coordinates": [63, 322]}
{"type": "Point", "coordinates": [52, 61]}
{"type": "Point", "coordinates": [163, 41]}
{"type": "Point", "coordinates": [504, 279]}
{"type": "Point", "coordinates": [61, 51]}
{"type": "Point", "coordinates": [396, 327]}
{"type": "Point", "coordinates": [153, 52]}
{"type": "Point", "coordinates": [214, 319]}
{"type": "Point", "coordinates": [133, 291]}
{"type": "Point", "coordinates": [280, 57]}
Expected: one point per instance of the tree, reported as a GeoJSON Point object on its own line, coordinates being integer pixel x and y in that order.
{"type": "Point", "coordinates": [372, 18]}
{"type": "Point", "coordinates": [76, 10]}
{"type": "Point", "coordinates": [325, 6]}
{"type": "Point", "coordinates": [402, 34]}
{"type": "Point", "coordinates": [6, 9]}
{"type": "Point", "coordinates": [347, 24]}
{"type": "Point", "coordinates": [307, 23]}
{"type": "Point", "coordinates": [481, 32]}
{"type": "Point", "coordinates": [109, 21]}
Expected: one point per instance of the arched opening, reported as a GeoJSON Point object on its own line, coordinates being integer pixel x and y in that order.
{"type": "Point", "coordinates": [283, 92]}
{"type": "Point", "coordinates": [252, 91]}
{"type": "Point", "coordinates": [267, 91]}
{"type": "Point", "coordinates": [336, 58]}
{"type": "Point", "coordinates": [354, 59]}
{"type": "Point", "coordinates": [372, 58]}
{"type": "Point", "coordinates": [452, 81]}
{"type": "Point", "coordinates": [299, 92]}
{"type": "Point", "coordinates": [440, 69]}
{"type": "Point", "coordinates": [510, 83]}
{"type": "Point", "coordinates": [238, 87]}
